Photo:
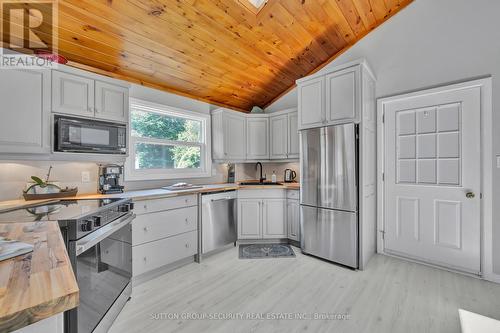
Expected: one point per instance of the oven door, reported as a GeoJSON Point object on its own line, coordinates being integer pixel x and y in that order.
{"type": "Point", "coordinates": [89, 136]}
{"type": "Point", "coordinates": [102, 263]}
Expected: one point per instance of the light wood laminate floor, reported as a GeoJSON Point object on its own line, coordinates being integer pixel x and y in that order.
{"type": "Point", "coordinates": [391, 295]}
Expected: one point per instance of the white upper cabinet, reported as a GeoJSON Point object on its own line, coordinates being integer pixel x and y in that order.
{"type": "Point", "coordinates": [228, 135]}
{"type": "Point", "coordinates": [279, 136]}
{"type": "Point", "coordinates": [343, 95]}
{"type": "Point", "coordinates": [83, 96]}
{"type": "Point", "coordinates": [293, 135]}
{"type": "Point", "coordinates": [235, 140]}
{"type": "Point", "coordinates": [240, 137]}
{"type": "Point", "coordinates": [311, 101]}
{"type": "Point", "coordinates": [72, 94]}
{"type": "Point", "coordinates": [25, 111]}
{"type": "Point", "coordinates": [257, 137]}
{"type": "Point", "coordinates": [111, 101]}
{"type": "Point", "coordinates": [331, 98]}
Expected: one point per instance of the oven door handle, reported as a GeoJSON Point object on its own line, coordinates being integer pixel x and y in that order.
{"type": "Point", "coordinates": [97, 236]}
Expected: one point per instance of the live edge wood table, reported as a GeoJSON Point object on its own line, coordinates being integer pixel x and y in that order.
{"type": "Point", "coordinates": [37, 285]}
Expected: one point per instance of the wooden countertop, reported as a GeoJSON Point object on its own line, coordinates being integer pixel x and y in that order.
{"type": "Point", "coordinates": [39, 284]}
{"type": "Point", "coordinates": [150, 194]}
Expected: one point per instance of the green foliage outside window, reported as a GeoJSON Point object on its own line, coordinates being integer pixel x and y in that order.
{"type": "Point", "coordinates": [160, 156]}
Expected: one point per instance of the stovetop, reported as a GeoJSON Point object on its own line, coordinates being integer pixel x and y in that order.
{"type": "Point", "coordinates": [77, 217]}
{"type": "Point", "coordinates": [57, 211]}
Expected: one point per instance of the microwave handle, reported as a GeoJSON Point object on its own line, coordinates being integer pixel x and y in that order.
{"type": "Point", "coordinates": [97, 236]}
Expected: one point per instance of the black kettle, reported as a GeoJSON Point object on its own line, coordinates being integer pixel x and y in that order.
{"type": "Point", "coordinates": [290, 175]}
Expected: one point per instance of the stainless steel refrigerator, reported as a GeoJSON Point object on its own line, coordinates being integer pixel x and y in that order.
{"type": "Point", "coordinates": [329, 193]}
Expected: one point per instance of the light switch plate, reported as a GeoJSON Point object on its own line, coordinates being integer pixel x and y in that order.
{"type": "Point", "coordinates": [85, 177]}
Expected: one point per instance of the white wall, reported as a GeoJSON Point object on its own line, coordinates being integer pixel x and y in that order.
{"type": "Point", "coordinates": [15, 174]}
{"type": "Point", "coordinates": [434, 42]}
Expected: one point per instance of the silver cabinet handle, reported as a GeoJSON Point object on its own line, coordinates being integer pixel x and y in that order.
{"type": "Point", "coordinates": [187, 245]}
{"type": "Point", "coordinates": [187, 221]}
{"type": "Point", "coordinates": [145, 259]}
{"type": "Point", "coordinates": [145, 229]}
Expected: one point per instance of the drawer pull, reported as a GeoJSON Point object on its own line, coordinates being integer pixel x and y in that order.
{"type": "Point", "coordinates": [187, 246]}
{"type": "Point", "coordinates": [145, 259]}
{"type": "Point", "coordinates": [146, 229]}
{"type": "Point", "coordinates": [145, 206]}
{"type": "Point", "coordinates": [187, 221]}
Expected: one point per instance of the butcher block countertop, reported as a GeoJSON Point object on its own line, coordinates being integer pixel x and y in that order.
{"type": "Point", "coordinates": [39, 284]}
{"type": "Point", "coordinates": [150, 194]}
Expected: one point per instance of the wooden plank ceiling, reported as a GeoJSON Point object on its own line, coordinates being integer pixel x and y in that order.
{"type": "Point", "coordinates": [217, 51]}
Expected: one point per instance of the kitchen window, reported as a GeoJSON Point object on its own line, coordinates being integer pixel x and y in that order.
{"type": "Point", "coordinates": [167, 142]}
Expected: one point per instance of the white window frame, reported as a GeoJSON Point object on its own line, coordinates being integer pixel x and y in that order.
{"type": "Point", "coordinates": [205, 169]}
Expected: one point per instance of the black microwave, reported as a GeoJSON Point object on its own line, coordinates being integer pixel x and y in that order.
{"type": "Point", "coordinates": [80, 135]}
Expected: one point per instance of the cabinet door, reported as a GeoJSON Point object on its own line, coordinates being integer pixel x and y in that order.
{"type": "Point", "coordinates": [293, 135]}
{"type": "Point", "coordinates": [72, 94]}
{"type": "Point", "coordinates": [342, 95]}
{"type": "Point", "coordinates": [257, 138]}
{"type": "Point", "coordinates": [249, 218]}
{"type": "Point", "coordinates": [234, 136]}
{"type": "Point", "coordinates": [292, 216]}
{"type": "Point", "coordinates": [311, 103]}
{"type": "Point", "coordinates": [274, 221]}
{"type": "Point", "coordinates": [279, 137]}
{"type": "Point", "coordinates": [111, 102]}
{"type": "Point", "coordinates": [25, 124]}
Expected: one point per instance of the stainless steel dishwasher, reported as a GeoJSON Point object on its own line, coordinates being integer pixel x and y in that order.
{"type": "Point", "coordinates": [218, 220]}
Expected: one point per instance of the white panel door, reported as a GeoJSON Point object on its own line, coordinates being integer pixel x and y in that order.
{"type": "Point", "coordinates": [311, 101]}
{"type": "Point", "coordinates": [72, 94]}
{"type": "Point", "coordinates": [249, 219]}
{"type": "Point", "coordinates": [342, 95]}
{"type": "Point", "coordinates": [257, 138]}
{"type": "Point", "coordinates": [25, 111]}
{"type": "Point", "coordinates": [111, 102]}
{"type": "Point", "coordinates": [274, 222]}
{"type": "Point", "coordinates": [234, 136]}
{"type": "Point", "coordinates": [279, 136]}
{"type": "Point", "coordinates": [293, 135]}
{"type": "Point", "coordinates": [432, 178]}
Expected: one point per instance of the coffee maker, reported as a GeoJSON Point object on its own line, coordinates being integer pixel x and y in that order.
{"type": "Point", "coordinates": [110, 179]}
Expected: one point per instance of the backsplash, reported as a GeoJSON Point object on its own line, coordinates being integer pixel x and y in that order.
{"type": "Point", "coordinates": [14, 175]}
{"type": "Point", "coordinates": [248, 171]}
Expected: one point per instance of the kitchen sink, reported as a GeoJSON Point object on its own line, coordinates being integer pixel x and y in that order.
{"type": "Point", "coordinates": [259, 184]}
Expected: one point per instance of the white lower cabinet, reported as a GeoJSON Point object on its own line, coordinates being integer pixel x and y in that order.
{"type": "Point", "coordinates": [149, 256]}
{"type": "Point", "coordinates": [164, 231]}
{"type": "Point", "coordinates": [274, 218]}
{"type": "Point", "coordinates": [293, 219]}
{"type": "Point", "coordinates": [261, 214]}
{"type": "Point", "coordinates": [249, 218]}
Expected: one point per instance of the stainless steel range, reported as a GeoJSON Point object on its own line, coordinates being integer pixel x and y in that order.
{"type": "Point", "coordinates": [98, 236]}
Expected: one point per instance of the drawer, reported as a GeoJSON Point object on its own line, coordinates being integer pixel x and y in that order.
{"type": "Point", "coordinates": [149, 256]}
{"type": "Point", "coordinates": [261, 194]}
{"type": "Point", "coordinates": [292, 194]}
{"type": "Point", "coordinates": [156, 205]}
{"type": "Point", "coordinates": [158, 225]}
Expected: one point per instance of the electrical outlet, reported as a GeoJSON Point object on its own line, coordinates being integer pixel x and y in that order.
{"type": "Point", "coordinates": [85, 177]}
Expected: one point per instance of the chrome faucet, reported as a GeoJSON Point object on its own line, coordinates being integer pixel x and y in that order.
{"type": "Point", "coordinates": [261, 180]}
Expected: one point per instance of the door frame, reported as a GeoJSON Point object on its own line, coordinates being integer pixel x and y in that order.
{"type": "Point", "coordinates": [486, 207]}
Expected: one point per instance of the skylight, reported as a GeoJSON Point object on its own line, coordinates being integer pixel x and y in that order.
{"type": "Point", "coordinates": [257, 3]}
{"type": "Point", "coordinates": [253, 5]}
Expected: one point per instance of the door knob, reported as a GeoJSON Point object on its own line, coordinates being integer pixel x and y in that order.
{"type": "Point", "coordinates": [470, 195]}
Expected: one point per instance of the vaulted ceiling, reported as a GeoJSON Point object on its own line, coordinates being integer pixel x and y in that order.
{"type": "Point", "coordinates": [219, 51]}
